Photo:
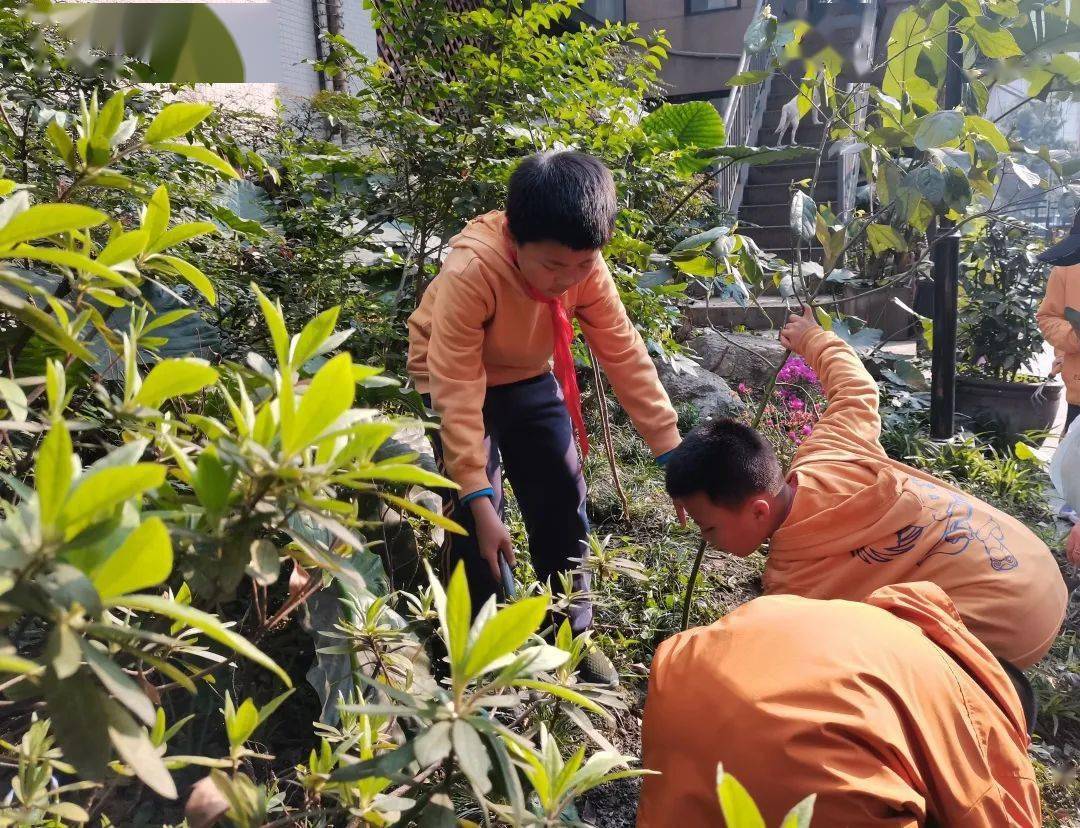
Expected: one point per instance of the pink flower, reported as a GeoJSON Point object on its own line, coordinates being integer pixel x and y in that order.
{"type": "Point", "coordinates": [743, 389]}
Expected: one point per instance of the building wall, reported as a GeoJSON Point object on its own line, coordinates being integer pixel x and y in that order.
{"type": "Point", "coordinates": [707, 32]}
{"type": "Point", "coordinates": [296, 42]}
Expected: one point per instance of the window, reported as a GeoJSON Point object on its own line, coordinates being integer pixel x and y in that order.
{"type": "Point", "coordinates": [699, 6]}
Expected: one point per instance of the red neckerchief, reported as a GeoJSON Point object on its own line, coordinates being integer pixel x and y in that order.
{"type": "Point", "coordinates": [565, 372]}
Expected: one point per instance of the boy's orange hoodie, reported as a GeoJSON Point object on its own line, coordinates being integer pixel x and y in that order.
{"type": "Point", "coordinates": [890, 711]}
{"type": "Point", "coordinates": [1063, 290]}
{"type": "Point", "coordinates": [477, 327]}
{"type": "Point", "coordinates": [860, 521]}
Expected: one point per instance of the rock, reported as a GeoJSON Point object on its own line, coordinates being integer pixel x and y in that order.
{"type": "Point", "coordinates": [693, 385]}
{"type": "Point", "coordinates": [738, 358]}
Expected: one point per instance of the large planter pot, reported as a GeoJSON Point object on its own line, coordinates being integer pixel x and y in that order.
{"type": "Point", "coordinates": [1006, 408]}
{"type": "Point", "coordinates": [879, 310]}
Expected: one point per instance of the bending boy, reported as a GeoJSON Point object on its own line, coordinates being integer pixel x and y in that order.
{"type": "Point", "coordinates": [847, 519]}
{"type": "Point", "coordinates": [890, 711]}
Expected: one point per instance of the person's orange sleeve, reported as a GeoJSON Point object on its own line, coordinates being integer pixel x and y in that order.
{"type": "Point", "coordinates": [622, 354]}
{"type": "Point", "coordinates": [458, 378]}
{"type": "Point", "coordinates": [1056, 329]}
{"type": "Point", "coordinates": [851, 416]}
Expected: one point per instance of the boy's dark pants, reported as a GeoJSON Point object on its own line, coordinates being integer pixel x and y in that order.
{"type": "Point", "coordinates": [528, 430]}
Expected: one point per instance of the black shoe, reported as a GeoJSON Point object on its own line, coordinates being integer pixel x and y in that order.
{"type": "Point", "coordinates": [596, 668]}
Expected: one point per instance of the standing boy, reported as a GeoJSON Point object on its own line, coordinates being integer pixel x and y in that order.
{"type": "Point", "coordinates": [1061, 328]}
{"type": "Point", "coordinates": [847, 519]}
{"type": "Point", "coordinates": [481, 344]}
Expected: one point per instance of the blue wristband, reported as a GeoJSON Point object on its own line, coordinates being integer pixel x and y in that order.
{"type": "Point", "coordinates": [488, 492]}
{"type": "Point", "coordinates": [663, 458]}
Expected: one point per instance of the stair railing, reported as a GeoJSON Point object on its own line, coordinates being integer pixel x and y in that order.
{"type": "Point", "coordinates": [742, 120]}
{"type": "Point", "coordinates": [848, 163]}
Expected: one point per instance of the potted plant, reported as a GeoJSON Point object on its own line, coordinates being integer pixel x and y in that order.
{"type": "Point", "coordinates": [1001, 286]}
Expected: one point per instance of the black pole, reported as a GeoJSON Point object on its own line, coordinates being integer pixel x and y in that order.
{"type": "Point", "coordinates": [946, 258]}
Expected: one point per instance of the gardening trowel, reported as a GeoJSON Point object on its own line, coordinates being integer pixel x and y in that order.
{"type": "Point", "coordinates": [507, 577]}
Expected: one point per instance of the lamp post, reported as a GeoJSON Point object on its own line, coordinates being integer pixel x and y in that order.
{"type": "Point", "coordinates": [946, 259]}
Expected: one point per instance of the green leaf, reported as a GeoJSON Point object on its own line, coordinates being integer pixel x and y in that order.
{"type": "Point", "coordinates": [122, 687]}
{"type": "Point", "coordinates": [801, 814]}
{"type": "Point", "coordinates": [692, 124]}
{"type": "Point", "coordinates": [329, 395]}
{"type": "Point", "coordinates": [53, 473]}
{"type": "Point", "coordinates": [191, 274]}
{"type": "Point", "coordinates": [505, 632]}
{"type": "Point", "coordinates": [15, 398]}
{"type": "Point", "coordinates": [69, 259]}
{"type": "Point", "coordinates": [44, 220]}
{"type": "Point", "coordinates": [241, 722]}
{"type": "Point", "coordinates": [199, 153]}
{"type": "Point", "coordinates": [988, 130]}
{"type": "Point", "coordinates": [760, 34]}
{"type": "Point", "coordinates": [434, 517]}
{"type": "Point", "coordinates": [1025, 452]}
{"type": "Point", "coordinates": [205, 622]}
{"type": "Point", "coordinates": [803, 216]}
{"type": "Point", "coordinates": [884, 237]}
{"type": "Point", "coordinates": [177, 119]}
{"type": "Point", "coordinates": [108, 121]}
{"type": "Point", "coordinates": [275, 321]}
{"type": "Point", "coordinates": [472, 755]}
{"type": "Point", "coordinates": [930, 182]}
{"type": "Point", "coordinates": [757, 156]}
{"type": "Point", "coordinates": [406, 473]}
{"type": "Point", "coordinates": [76, 708]}
{"type": "Point", "coordinates": [98, 494]}
{"type": "Point", "coordinates": [124, 247]}
{"type": "Point", "coordinates": [144, 559]}
{"type": "Point", "coordinates": [993, 41]}
{"type": "Point", "coordinates": [458, 618]}
{"type": "Point", "coordinates": [211, 482]}
{"type": "Point", "coordinates": [735, 802]}
{"type": "Point", "coordinates": [433, 745]}
{"type": "Point", "coordinates": [11, 663]}
{"type": "Point", "coordinates": [175, 378]}
{"type": "Point", "coordinates": [60, 139]}
{"type": "Point", "coordinates": [384, 765]}
{"type": "Point", "coordinates": [939, 128]}
{"type": "Point", "coordinates": [138, 752]}
{"type": "Point", "coordinates": [749, 77]}
{"type": "Point", "coordinates": [314, 334]}
{"type": "Point", "coordinates": [156, 214]}
{"type": "Point", "coordinates": [62, 653]}
{"type": "Point", "coordinates": [44, 325]}
{"type": "Point", "coordinates": [181, 233]}
{"type": "Point", "coordinates": [564, 693]}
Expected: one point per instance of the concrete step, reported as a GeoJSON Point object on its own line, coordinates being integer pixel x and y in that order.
{"type": "Point", "coordinates": [728, 315]}
{"type": "Point", "coordinates": [770, 237]}
{"type": "Point", "coordinates": [785, 173]}
{"type": "Point", "coordinates": [769, 214]}
{"type": "Point", "coordinates": [761, 194]}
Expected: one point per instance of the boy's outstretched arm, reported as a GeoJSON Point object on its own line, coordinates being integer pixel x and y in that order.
{"type": "Point", "coordinates": [623, 355]}
{"type": "Point", "coordinates": [851, 418]}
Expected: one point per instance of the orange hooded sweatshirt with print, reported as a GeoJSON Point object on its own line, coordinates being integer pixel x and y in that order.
{"type": "Point", "coordinates": [890, 711]}
{"type": "Point", "coordinates": [861, 520]}
{"type": "Point", "coordinates": [1063, 291]}
{"type": "Point", "coordinates": [477, 327]}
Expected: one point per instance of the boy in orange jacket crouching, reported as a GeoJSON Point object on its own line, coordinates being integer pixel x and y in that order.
{"type": "Point", "coordinates": [890, 711]}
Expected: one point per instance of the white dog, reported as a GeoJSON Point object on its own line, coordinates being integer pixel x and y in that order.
{"type": "Point", "coordinates": [789, 116]}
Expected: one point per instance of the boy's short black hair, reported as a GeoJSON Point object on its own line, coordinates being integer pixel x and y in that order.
{"type": "Point", "coordinates": [726, 460]}
{"type": "Point", "coordinates": [566, 197]}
